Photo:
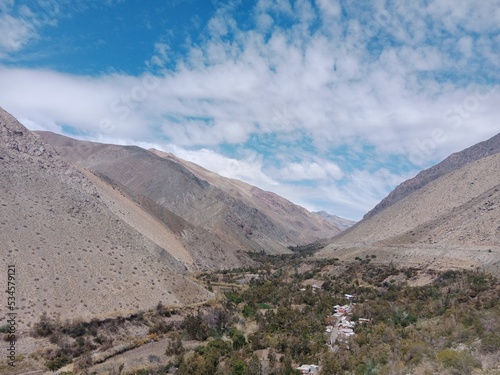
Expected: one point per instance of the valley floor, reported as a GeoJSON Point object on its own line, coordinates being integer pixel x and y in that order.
{"type": "Point", "coordinates": [280, 315]}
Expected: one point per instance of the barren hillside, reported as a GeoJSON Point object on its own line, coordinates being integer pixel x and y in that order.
{"type": "Point", "coordinates": [73, 256]}
{"type": "Point", "coordinates": [455, 216]}
{"type": "Point", "coordinates": [228, 217]}
{"type": "Point", "coordinates": [287, 214]}
{"type": "Point", "coordinates": [339, 222]}
{"type": "Point", "coordinates": [451, 163]}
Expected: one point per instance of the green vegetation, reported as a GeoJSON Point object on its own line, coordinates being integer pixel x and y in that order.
{"type": "Point", "coordinates": [276, 322]}
{"type": "Point", "coordinates": [57, 362]}
{"type": "Point", "coordinates": [5, 328]}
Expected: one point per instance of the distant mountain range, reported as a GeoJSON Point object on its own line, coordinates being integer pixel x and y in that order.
{"type": "Point", "coordinates": [338, 221]}
{"type": "Point", "coordinates": [447, 216]}
{"type": "Point", "coordinates": [98, 229]}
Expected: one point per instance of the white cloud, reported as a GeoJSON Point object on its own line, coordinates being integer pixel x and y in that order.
{"type": "Point", "coordinates": [160, 57]}
{"type": "Point", "coordinates": [329, 8]}
{"type": "Point", "coordinates": [323, 84]}
{"type": "Point", "coordinates": [310, 171]}
{"type": "Point", "coordinates": [15, 33]}
{"type": "Point", "coordinates": [466, 45]}
{"type": "Point", "coordinates": [20, 24]}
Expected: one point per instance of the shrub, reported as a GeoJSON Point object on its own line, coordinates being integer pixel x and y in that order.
{"type": "Point", "coordinates": [490, 343]}
{"type": "Point", "coordinates": [58, 362]}
{"type": "Point", "coordinates": [248, 312]}
{"type": "Point", "coordinates": [458, 360]}
{"type": "Point", "coordinates": [75, 330]}
{"type": "Point", "coordinates": [5, 328]}
{"type": "Point", "coordinates": [234, 298]}
{"type": "Point", "coordinates": [195, 327]}
{"type": "Point", "coordinates": [159, 328]}
{"type": "Point", "coordinates": [238, 338]}
{"type": "Point", "coordinates": [45, 327]}
{"type": "Point", "coordinates": [175, 346]}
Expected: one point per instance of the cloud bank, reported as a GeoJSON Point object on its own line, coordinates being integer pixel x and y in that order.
{"type": "Point", "coordinates": [326, 103]}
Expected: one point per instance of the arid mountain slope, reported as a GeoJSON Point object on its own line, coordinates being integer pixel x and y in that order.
{"type": "Point", "coordinates": [279, 209]}
{"type": "Point", "coordinates": [451, 163]}
{"type": "Point", "coordinates": [73, 256]}
{"type": "Point", "coordinates": [339, 222]}
{"type": "Point", "coordinates": [455, 216]}
{"type": "Point", "coordinates": [234, 217]}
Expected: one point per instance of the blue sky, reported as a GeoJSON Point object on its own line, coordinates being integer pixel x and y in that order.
{"type": "Point", "coordinates": [328, 103]}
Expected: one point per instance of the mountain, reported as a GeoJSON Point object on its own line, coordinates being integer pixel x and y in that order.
{"type": "Point", "coordinates": [85, 222]}
{"type": "Point", "coordinates": [73, 255]}
{"type": "Point", "coordinates": [338, 221]}
{"type": "Point", "coordinates": [447, 217]}
{"type": "Point", "coordinates": [451, 163]}
{"type": "Point", "coordinates": [217, 219]}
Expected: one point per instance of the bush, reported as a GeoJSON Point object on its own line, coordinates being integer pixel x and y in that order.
{"type": "Point", "coordinates": [403, 318]}
{"type": "Point", "coordinates": [234, 298]}
{"type": "Point", "coordinates": [195, 327]}
{"type": "Point", "coordinates": [5, 328]}
{"type": "Point", "coordinates": [490, 343]}
{"type": "Point", "coordinates": [159, 328]}
{"type": "Point", "coordinates": [175, 346]}
{"type": "Point", "coordinates": [58, 362]}
{"type": "Point", "coordinates": [45, 327]}
{"type": "Point", "coordinates": [238, 338]}
{"type": "Point", "coordinates": [75, 329]}
{"type": "Point", "coordinates": [458, 360]}
{"type": "Point", "coordinates": [248, 312]}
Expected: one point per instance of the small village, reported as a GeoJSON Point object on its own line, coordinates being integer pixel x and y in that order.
{"type": "Point", "coordinates": [339, 328]}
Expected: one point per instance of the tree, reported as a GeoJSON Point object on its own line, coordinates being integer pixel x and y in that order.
{"type": "Point", "coordinates": [175, 346]}
{"type": "Point", "coordinates": [238, 338]}
{"type": "Point", "coordinates": [196, 327]}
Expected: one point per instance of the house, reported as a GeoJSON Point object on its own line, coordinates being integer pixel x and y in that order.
{"type": "Point", "coordinates": [314, 284]}
{"type": "Point", "coordinates": [309, 369]}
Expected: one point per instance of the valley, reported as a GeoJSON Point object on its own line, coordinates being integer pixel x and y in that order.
{"type": "Point", "coordinates": [266, 187]}
{"type": "Point", "coordinates": [272, 318]}
{"type": "Point", "coordinates": [133, 262]}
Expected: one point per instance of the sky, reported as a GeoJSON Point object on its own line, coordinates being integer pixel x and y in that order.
{"type": "Point", "coordinates": [329, 103]}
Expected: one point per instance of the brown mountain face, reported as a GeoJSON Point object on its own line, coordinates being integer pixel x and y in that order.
{"type": "Point", "coordinates": [451, 221]}
{"type": "Point", "coordinates": [338, 221]}
{"type": "Point", "coordinates": [69, 249]}
{"type": "Point", "coordinates": [302, 226]}
{"type": "Point", "coordinates": [218, 219]}
{"type": "Point", "coordinates": [451, 163]}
